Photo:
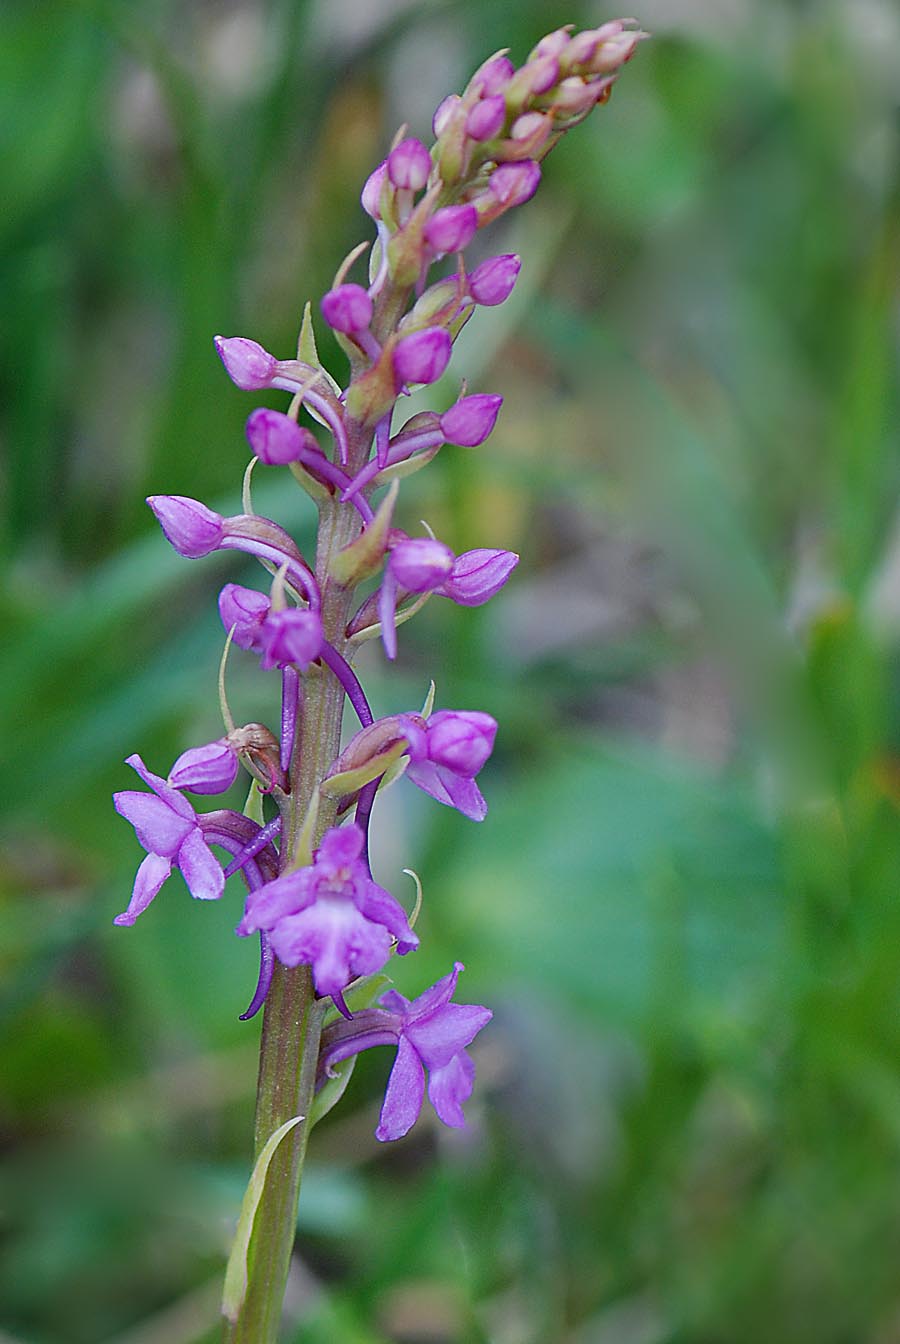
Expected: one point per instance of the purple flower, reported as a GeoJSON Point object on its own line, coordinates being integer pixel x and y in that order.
{"type": "Point", "coordinates": [552, 45]}
{"type": "Point", "coordinates": [477, 575]}
{"type": "Point", "coordinates": [245, 609]}
{"type": "Point", "coordinates": [423, 356]}
{"type": "Point", "coordinates": [446, 751]}
{"type": "Point", "coordinates": [290, 637]}
{"type": "Point", "coordinates": [492, 282]}
{"type": "Point", "coordinates": [190, 527]}
{"type": "Point", "coordinates": [515, 183]}
{"type": "Point", "coordinates": [416, 565]}
{"type": "Point", "coordinates": [492, 77]}
{"type": "Point", "coordinates": [486, 118]}
{"type": "Point", "coordinates": [347, 309]}
{"type": "Point", "coordinates": [167, 827]}
{"type": "Point", "coordinates": [421, 564]}
{"type": "Point", "coordinates": [371, 192]}
{"type": "Point", "coordinates": [432, 1034]}
{"type": "Point", "coordinates": [194, 530]}
{"type": "Point", "coordinates": [426, 565]}
{"type": "Point", "coordinates": [452, 229]}
{"type": "Point", "coordinates": [330, 915]}
{"type": "Point", "coordinates": [543, 72]}
{"type": "Point", "coordinates": [211, 768]}
{"type": "Point", "coordinates": [277, 439]}
{"type": "Point", "coordinates": [409, 164]}
{"type": "Point", "coordinates": [443, 113]}
{"type": "Point", "coordinates": [247, 364]}
{"type": "Point", "coordinates": [471, 419]}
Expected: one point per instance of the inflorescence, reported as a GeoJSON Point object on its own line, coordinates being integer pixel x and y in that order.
{"type": "Point", "coordinates": [320, 907]}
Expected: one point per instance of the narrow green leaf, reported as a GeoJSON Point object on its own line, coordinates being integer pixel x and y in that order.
{"type": "Point", "coordinates": [236, 1272]}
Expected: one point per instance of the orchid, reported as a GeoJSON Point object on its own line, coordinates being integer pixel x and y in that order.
{"type": "Point", "coordinates": [327, 928]}
{"type": "Point", "coordinates": [330, 915]}
{"type": "Point", "coordinates": [167, 827]}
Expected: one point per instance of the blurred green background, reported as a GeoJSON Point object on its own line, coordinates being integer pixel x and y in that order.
{"type": "Point", "coordinates": [684, 905]}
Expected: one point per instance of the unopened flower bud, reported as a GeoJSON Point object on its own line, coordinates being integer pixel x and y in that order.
{"type": "Point", "coordinates": [189, 526]}
{"type": "Point", "coordinates": [209, 769]}
{"type": "Point", "coordinates": [477, 575]}
{"type": "Point", "coordinates": [461, 740]}
{"type": "Point", "coordinates": [612, 54]}
{"type": "Point", "coordinates": [487, 118]}
{"type": "Point", "coordinates": [247, 364]}
{"type": "Point", "coordinates": [543, 72]}
{"type": "Point", "coordinates": [290, 636]}
{"type": "Point", "coordinates": [423, 356]}
{"type": "Point", "coordinates": [491, 77]}
{"type": "Point", "coordinates": [468, 423]}
{"type": "Point", "coordinates": [347, 309]}
{"type": "Point", "coordinates": [409, 164]}
{"type": "Point", "coordinates": [443, 113]}
{"type": "Point", "coordinates": [245, 610]}
{"type": "Point", "coordinates": [553, 44]}
{"type": "Point", "coordinates": [452, 229]}
{"type": "Point", "coordinates": [575, 95]}
{"type": "Point", "coordinates": [371, 192]}
{"type": "Point", "coordinates": [533, 79]}
{"type": "Point", "coordinates": [421, 564]}
{"type": "Point", "coordinates": [583, 47]}
{"type": "Point", "coordinates": [515, 183]}
{"type": "Point", "coordinates": [493, 281]}
{"type": "Point", "coordinates": [276, 439]}
{"type": "Point", "coordinates": [527, 137]}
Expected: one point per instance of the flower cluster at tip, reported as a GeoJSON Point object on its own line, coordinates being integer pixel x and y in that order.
{"type": "Point", "coordinates": [311, 894]}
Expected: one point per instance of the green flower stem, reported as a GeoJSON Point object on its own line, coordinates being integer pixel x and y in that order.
{"type": "Point", "coordinates": [292, 1020]}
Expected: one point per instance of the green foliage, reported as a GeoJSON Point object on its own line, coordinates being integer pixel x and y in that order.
{"type": "Point", "coordinates": [683, 905]}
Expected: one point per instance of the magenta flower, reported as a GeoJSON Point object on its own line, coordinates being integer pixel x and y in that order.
{"type": "Point", "coordinates": [189, 526]}
{"type": "Point", "coordinates": [515, 183]}
{"type": "Point", "coordinates": [290, 638]}
{"type": "Point", "coordinates": [409, 164]}
{"type": "Point", "coordinates": [347, 309]}
{"type": "Point", "coordinates": [493, 281]}
{"type": "Point", "coordinates": [422, 357]}
{"type": "Point", "coordinates": [452, 229]}
{"type": "Point", "coordinates": [487, 118]}
{"type": "Point", "coordinates": [447, 753]}
{"type": "Point", "coordinates": [245, 610]}
{"type": "Point", "coordinates": [276, 439]}
{"type": "Point", "coordinates": [330, 915]}
{"type": "Point", "coordinates": [471, 419]}
{"type": "Point", "coordinates": [167, 827]}
{"type": "Point", "coordinates": [211, 768]}
{"type": "Point", "coordinates": [426, 565]}
{"type": "Point", "coordinates": [492, 77]}
{"type": "Point", "coordinates": [194, 531]}
{"type": "Point", "coordinates": [247, 364]}
{"type": "Point", "coordinates": [371, 192]}
{"type": "Point", "coordinates": [477, 575]}
{"type": "Point", "coordinates": [433, 1034]}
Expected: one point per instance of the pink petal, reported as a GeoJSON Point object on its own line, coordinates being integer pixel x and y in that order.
{"type": "Point", "coordinates": [158, 829]}
{"type": "Point", "coordinates": [404, 1095]}
{"type": "Point", "coordinates": [276, 900]}
{"type": "Point", "coordinates": [464, 794]}
{"type": "Point", "coordinates": [445, 1033]}
{"type": "Point", "coordinates": [150, 876]}
{"type": "Point", "coordinates": [449, 1087]}
{"type": "Point", "coordinates": [380, 907]}
{"type": "Point", "coordinates": [162, 789]}
{"type": "Point", "coordinates": [200, 868]}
